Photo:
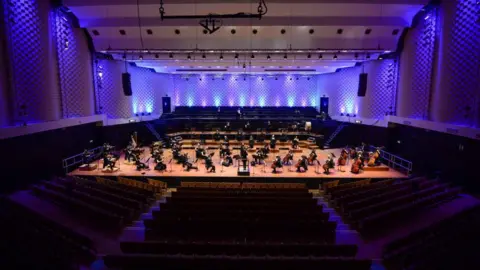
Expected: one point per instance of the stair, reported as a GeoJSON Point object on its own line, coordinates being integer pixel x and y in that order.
{"type": "Point", "coordinates": [153, 131]}
{"type": "Point", "coordinates": [334, 134]}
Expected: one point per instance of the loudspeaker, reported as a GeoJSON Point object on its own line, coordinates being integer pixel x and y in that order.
{"type": "Point", "coordinates": [324, 104]}
{"type": "Point", "coordinates": [362, 84]}
{"type": "Point", "coordinates": [166, 105]}
{"type": "Point", "coordinates": [127, 84]}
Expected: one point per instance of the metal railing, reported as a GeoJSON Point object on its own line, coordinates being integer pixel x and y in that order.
{"type": "Point", "coordinates": [73, 161]}
{"type": "Point", "coordinates": [394, 161]}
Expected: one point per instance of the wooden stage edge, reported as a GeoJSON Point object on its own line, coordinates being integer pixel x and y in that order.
{"type": "Point", "coordinates": [230, 173]}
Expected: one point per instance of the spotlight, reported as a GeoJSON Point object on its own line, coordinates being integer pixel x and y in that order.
{"type": "Point", "coordinates": [358, 121]}
{"type": "Point", "coordinates": [203, 56]}
{"type": "Point", "coordinates": [268, 56]}
{"type": "Point", "coordinates": [335, 57]}
{"type": "Point", "coordinates": [253, 56]}
{"type": "Point", "coordinates": [309, 56]}
{"type": "Point", "coordinates": [320, 56]}
{"type": "Point", "coordinates": [285, 56]}
{"type": "Point", "coordinates": [236, 56]}
{"type": "Point", "coordinates": [189, 57]}
{"type": "Point", "coordinates": [170, 55]}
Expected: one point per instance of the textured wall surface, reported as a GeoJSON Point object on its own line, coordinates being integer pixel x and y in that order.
{"type": "Point", "coordinates": [342, 88]}
{"type": "Point", "coordinates": [33, 62]}
{"type": "Point", "coordinates": [457, 87]}
{"type": "Point", "coordinates": [148, 88]}
{"type": "Point", "coordinates": [5, 112]}
{"type": "Point", "coordinates": [74, 68]}
{"type": "Point", "coordinates": [239, 90]}
{"type": "Point", "coordinates": [416, 68]}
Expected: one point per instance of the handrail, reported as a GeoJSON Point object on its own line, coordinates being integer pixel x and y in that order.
{"type": "Point", "coordinates": [394, 161]}
{"type": "Point", "coordinates": [76, 159]}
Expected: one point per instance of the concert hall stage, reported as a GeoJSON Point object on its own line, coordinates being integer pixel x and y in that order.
{"type": "Point", "coordinates": [176, 173]}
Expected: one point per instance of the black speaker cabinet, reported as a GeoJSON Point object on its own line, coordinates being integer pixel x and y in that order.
{"type": "Point", "coordinates": [324, 104]}
{"type": "Point", "coordinates": [362, 84]}
{"type": "Point", "coordinates": [166, 105]}
{"type": "Point", "coordinates": [126, 84]}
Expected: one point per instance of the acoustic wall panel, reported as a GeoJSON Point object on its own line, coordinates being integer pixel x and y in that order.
{"type": "Point", "coordinates": [241, 90]}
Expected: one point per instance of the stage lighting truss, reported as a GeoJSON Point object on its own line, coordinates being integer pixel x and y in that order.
{"type": "Point", "coordinates": [212, 22]}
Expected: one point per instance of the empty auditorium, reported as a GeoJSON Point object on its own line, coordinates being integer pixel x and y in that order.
{"type": "Point", "coordinates": [239, 134]}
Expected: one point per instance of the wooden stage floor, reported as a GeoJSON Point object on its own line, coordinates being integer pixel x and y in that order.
{"type": "Point", "coordinates": [257, 171]}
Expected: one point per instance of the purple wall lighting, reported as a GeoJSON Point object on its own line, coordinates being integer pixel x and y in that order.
{"type": "Point", "coordinates": [245, 90]}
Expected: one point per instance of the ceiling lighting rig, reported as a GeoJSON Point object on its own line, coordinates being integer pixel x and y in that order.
{"type": "Point", "coordinates": [212, 22]}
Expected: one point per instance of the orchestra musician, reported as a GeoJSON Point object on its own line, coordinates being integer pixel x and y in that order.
{"type": "Point", "coordinates": [259, 156]}
{"type": "Point", "coordinates": [251, 142]}
{"type": "Point", "coordinates": [239, 113]}
{"type": "Point", "coordinates": [295, 142]}
{"type": "Point", "coordinates": [240, 136]}
{"type": "Point", "coordinates": [225, 139]}
{"type": "Point", "coordinates": [266, 149]}
{"type": "Point", "coordinates": [160, 164]}
{"type": "Point", "coordinates": [312, 157]}
{"type": "Point", "coordinates": [342, 160]}
{"type": "Point", "coordinates": [357, 165]}
{"type": "Point", "coordinates": [329, 164]}
{"type": "Point", "coordinates": [273, 142]}
{"type": "Point", "coordinates": [216, 136]}
{"type": "Point", "coordinates": [283, 137]}
{"type": "Point", "coordinates": [247, 126]}
{"type": "Point", "coordinates": [227, 161]}
{"type": "Point", "coordinates": [109, 161]}
{"type": "Point", "coordinates": [373, 159]}
{"type": "Point", "coordinates": [261, 137]}
{"type": "Point", "coordinates": [277, 163]}
{"type": "Point", "coordinates": [87, 156]}
{"type": "Point", "coordinates": [141, 165]}
{"type": "Point", "coordinates": [302, 163]}
{"type": "Point", "coordinates": [227, 127]}
{"type": "Point", "coordinates": [225, 150]}
{"type": "Point", "coordinates": [288, 157]}
{"type": "Point", "coordinates": [269, 125]}
{"type": "Point", "coordinates": [186, 164]}
{"type": "Point", "coordinates": [157, 155]}
{"type": "Point", "coordinates": [209, 163]}
{"type": "Point", "coordinates": [200, 153]}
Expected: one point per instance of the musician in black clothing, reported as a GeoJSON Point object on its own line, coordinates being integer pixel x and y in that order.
{"type": "Point", "coordinates": [160, 164]}
{"type": "Point", "coordinates": [227, 161]}
{"type": "Point", "coordinates": [186, 164]}
{"type": "Point", "coordinates": [239, 113]}
{"type": "Point", "coordinates": [209, 163]}
{"type": "Point", "coordinates": [225, 150]}
{"type": "Point", "coordinates": [277, 163]}
{"type": "Point", "coordinates": [251, 142]}
{"type": "Point", "coordinates": [302, 163]}
{"type": "Point", "coordinates": [217, 136]}
{"type": "Point", "coordinates": [227, 127]}
{"type": "Point", "coordinates": [199, 153]}
{"type": "Point", "coordinates": [295, 142]}
{"type": "Point", "coordinates": [273, 142]}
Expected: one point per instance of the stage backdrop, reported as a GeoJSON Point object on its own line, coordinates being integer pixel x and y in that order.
{"type": "Point", "coordinates": [241, 90]}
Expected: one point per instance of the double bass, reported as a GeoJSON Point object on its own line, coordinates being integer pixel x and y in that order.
{"type": "Point", "coordinates": [312, 157]}
{"type": "Point", "coordinates": [372, 161]}
{"type": "Point", "coordinates": [356, 166]}
{"type": "Point", "coordinates": [342, 160]}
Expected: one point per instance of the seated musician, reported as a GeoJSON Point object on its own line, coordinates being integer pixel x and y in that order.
{"type": "Point", "coordinates": [288, 157]}
{"type": "Point", "coordinates": [199, 152]}
{"type": "Point", "coordinates": [209, 163]}
{"type": "Point", "coordinates": [141, 165]}
{"type": "Point", "coordinates": [295, 142]}
{"type": "Point", "coordinates": [225, 150]}
{"type": "Point", "coordinates": [251, 142]}
{"type": "Point", "coordinates": [329, 163]}
{"type": "Point", "coordinates": [266, 149]}
{"type": "Point", "coordinates": [269, 125]}
{"type": "Point", "coordinates": [273, 142]}
{"type": "Point", "coordinates": [283, 137]}
{"type": "Point", "coordinates": [302, 163]}
{"type": "Point", "coordinates": [240, 136]}
{"type": "Point", "coordinates": [312, 157]}
{"type": "Point", "coordinates": [108, 161]}
{"type": "Point", "coordinates": [187, 165]}
{"type": "Point", "coordinates": [259, 156]}
{"type": "Point", "coordinates": [225, 139]}
{"type": "Point", "coordinates": [247, 126]}
{"type": "Point", "coordinates": [277, 163]}
{"type": "Point", "coordinates": [160, 165]}
{"type": "Point", "coordinates": [157, 155]}
{"type": "Point", "coordinates": [239, 113]}
{"type": "Point", "coordinates": [227, 161]}
{"type": "Point", "coordinates": [227, 127]}
{"type": "Point", "coordinates": [217, 136]}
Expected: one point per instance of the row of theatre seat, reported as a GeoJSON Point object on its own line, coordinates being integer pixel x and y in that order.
{"type": "Point", "coordinates": [32, 241]}
{"type": "Point", "coordinates": [369, 205]}
{"type": "Point", "coordinates": [109, 203]}
{"type": "Point", "coordinates": [231, 226]}
{"type": "Point", "coordinates": [449, 244]}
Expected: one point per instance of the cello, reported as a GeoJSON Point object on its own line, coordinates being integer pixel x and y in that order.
{"type": "Point", "coordinates": [342, 160]}
{"type": "Point", "coordinates": [373, 158]}
{"type": "Point", "coordinates": [287, 157]}
{"type": "Point", "coordinates": [312, 157]}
